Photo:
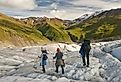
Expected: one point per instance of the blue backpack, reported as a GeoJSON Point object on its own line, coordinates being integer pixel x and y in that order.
{"type": "Point", "coordinates": [44, 56]}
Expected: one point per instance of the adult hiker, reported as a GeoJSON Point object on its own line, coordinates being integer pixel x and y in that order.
{"type": "Point", "coordinates": [59, 61]}
{"type": "Point", "coordinates": [43, 58]}
{"type": "Point", "coordinates": [84, 51]}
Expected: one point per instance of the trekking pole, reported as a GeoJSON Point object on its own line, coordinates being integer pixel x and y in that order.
{"type": "Point", "coordinates": [48, 58]}
{"type": "Point", "coordinates": [35, 60]}
{"type": "Point", "coordinates": [81, 58]}
{"type": "Point", "coordinates": [53, 62]}
{"type": "Point", "coordinates": [64, 48]}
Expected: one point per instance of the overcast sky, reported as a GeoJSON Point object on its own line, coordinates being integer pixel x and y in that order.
{"type": "Point", "coordinates": [64, 9]}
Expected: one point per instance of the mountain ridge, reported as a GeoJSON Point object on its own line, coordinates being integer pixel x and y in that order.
{"type": "Point", "coordinates": [15, 33]}
{"type": "Point", "coordinates": [35, 30]}
{"type": "Point", "coordinates": [103, 25]}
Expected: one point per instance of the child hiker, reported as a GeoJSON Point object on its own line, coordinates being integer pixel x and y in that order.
{"type": "Point", "coordinates": [59, 60]}
{"type": "Point", "coordinates": [43, 58]}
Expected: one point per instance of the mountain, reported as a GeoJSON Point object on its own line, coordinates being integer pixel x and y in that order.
{"type": "Point", "coordinates": [82, 18]}
{"type": "Point", "coordinates": [85, 17]}
{"type": "Point", "coordinates": [51, 28]}
{"type": "Point", "coordinates": [105, 25]}
{"type": "Point", "coordinates": [15, 32]}
{"type": "Point", "coordinates": [54, 29]}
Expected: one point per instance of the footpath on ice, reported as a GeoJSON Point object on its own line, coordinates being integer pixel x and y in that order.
{"type": "Point", "coordinates": [16, 65]}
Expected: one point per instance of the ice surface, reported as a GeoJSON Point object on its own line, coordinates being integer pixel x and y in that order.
{"type": "Point", "coordinates": [17, 65]}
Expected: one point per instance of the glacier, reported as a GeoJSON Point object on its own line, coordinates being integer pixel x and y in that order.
{"type": "Point", "coordinates": [105, 64]}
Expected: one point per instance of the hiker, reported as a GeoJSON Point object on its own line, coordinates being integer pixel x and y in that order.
{"type": "Point", "coordinates": [43, 58]}
{"type": "Point", "coordinates": [59, 61]}
{"type": "Point", "coordinates": [84, 51]}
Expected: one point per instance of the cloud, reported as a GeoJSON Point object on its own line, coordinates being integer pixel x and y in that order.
{"type": "Point", "coordinates": [18, 4]}
{"type": "Point", "coordinates": [58, 13]}
{"type": "Point", "coordinates": [102, 4]}
{"type": "Point", "coordinates": [54, 5]}
{"type": "Point", "coordinates": [65, 9]}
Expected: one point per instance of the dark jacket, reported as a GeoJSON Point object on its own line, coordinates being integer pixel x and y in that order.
{"type": "Point", "coordinates": [82, 51]}
{"type": "Point", "coordinates": [58, 55]}
{"type": "Point", "coordinates": [59, 60]}
{"type": "Point", "coordinates": [85, 49]}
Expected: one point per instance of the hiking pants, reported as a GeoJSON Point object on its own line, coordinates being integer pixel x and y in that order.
{"type": "Point", "coordinates": [57, 66]}
{"type": "Point", "coordinates": [43, 68]}
{"type": "Point", "coordinates": [83, 58]}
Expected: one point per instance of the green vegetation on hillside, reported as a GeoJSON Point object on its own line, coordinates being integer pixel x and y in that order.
{"type": "Point", "coordinates": [53, 33]}
{"type": "Point", "coordinates": [105, 30]}
{"type": "Point", "coordinates": [100, 27]}
{"type": "Point", "coordinates": [35, 30]}
{"type": "Point", "coordinates": [76, 34]}
{"type": "Point", "coordinates": [17, 33]}
{"type": "Point", "coordinates": [105, 27]}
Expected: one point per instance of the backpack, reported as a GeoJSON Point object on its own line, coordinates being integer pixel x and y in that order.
{"type": "Point", "coordinates": [45, 56]}
{"type": "Point", "coordinates": [60, 62]}
{"type": "Point", "coordinates": [87, 46]}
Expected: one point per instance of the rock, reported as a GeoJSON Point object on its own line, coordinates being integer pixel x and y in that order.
{"type": "Point", "coordinates": [33, 75]}
{"type": "Point", "coordinates": [63, 79]}
{"type": "Point", "coordinates": [53, 78]}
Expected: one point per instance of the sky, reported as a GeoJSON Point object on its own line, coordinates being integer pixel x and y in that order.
{"type": "Point", "coordinates": [64, 9]}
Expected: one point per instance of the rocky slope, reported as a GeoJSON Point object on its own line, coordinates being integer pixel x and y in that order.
{"type": "Point", "coordinates": [14, 32]}
{"type": "Point", "coordinates": [51, 28]}
{"type": "Point", "coordinates": [101, 26]}
{"type": "Point", "coordinates": [104, 25]}
{"type": "Point", "coordinates": [17, 65]}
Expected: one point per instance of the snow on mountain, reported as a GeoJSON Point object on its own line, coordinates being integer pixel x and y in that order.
{"type": "Point", "coordinates": [86, 16]}
{"type": "Point", "coordinates": [17, 64]}
{"type": "Point", "coordinates": [82, 18]}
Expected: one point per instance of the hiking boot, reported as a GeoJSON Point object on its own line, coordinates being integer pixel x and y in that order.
{"type": "Point", "coordinates": [84, 64]}
{"type": "Point", "coordinates": [87, 65]}
{"type": "Point", "coordinates": [62, 72]}
{"type": "Point", "coordinates": [56, 71]}
{"type": "Point", "coordinates": [43, 71]}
